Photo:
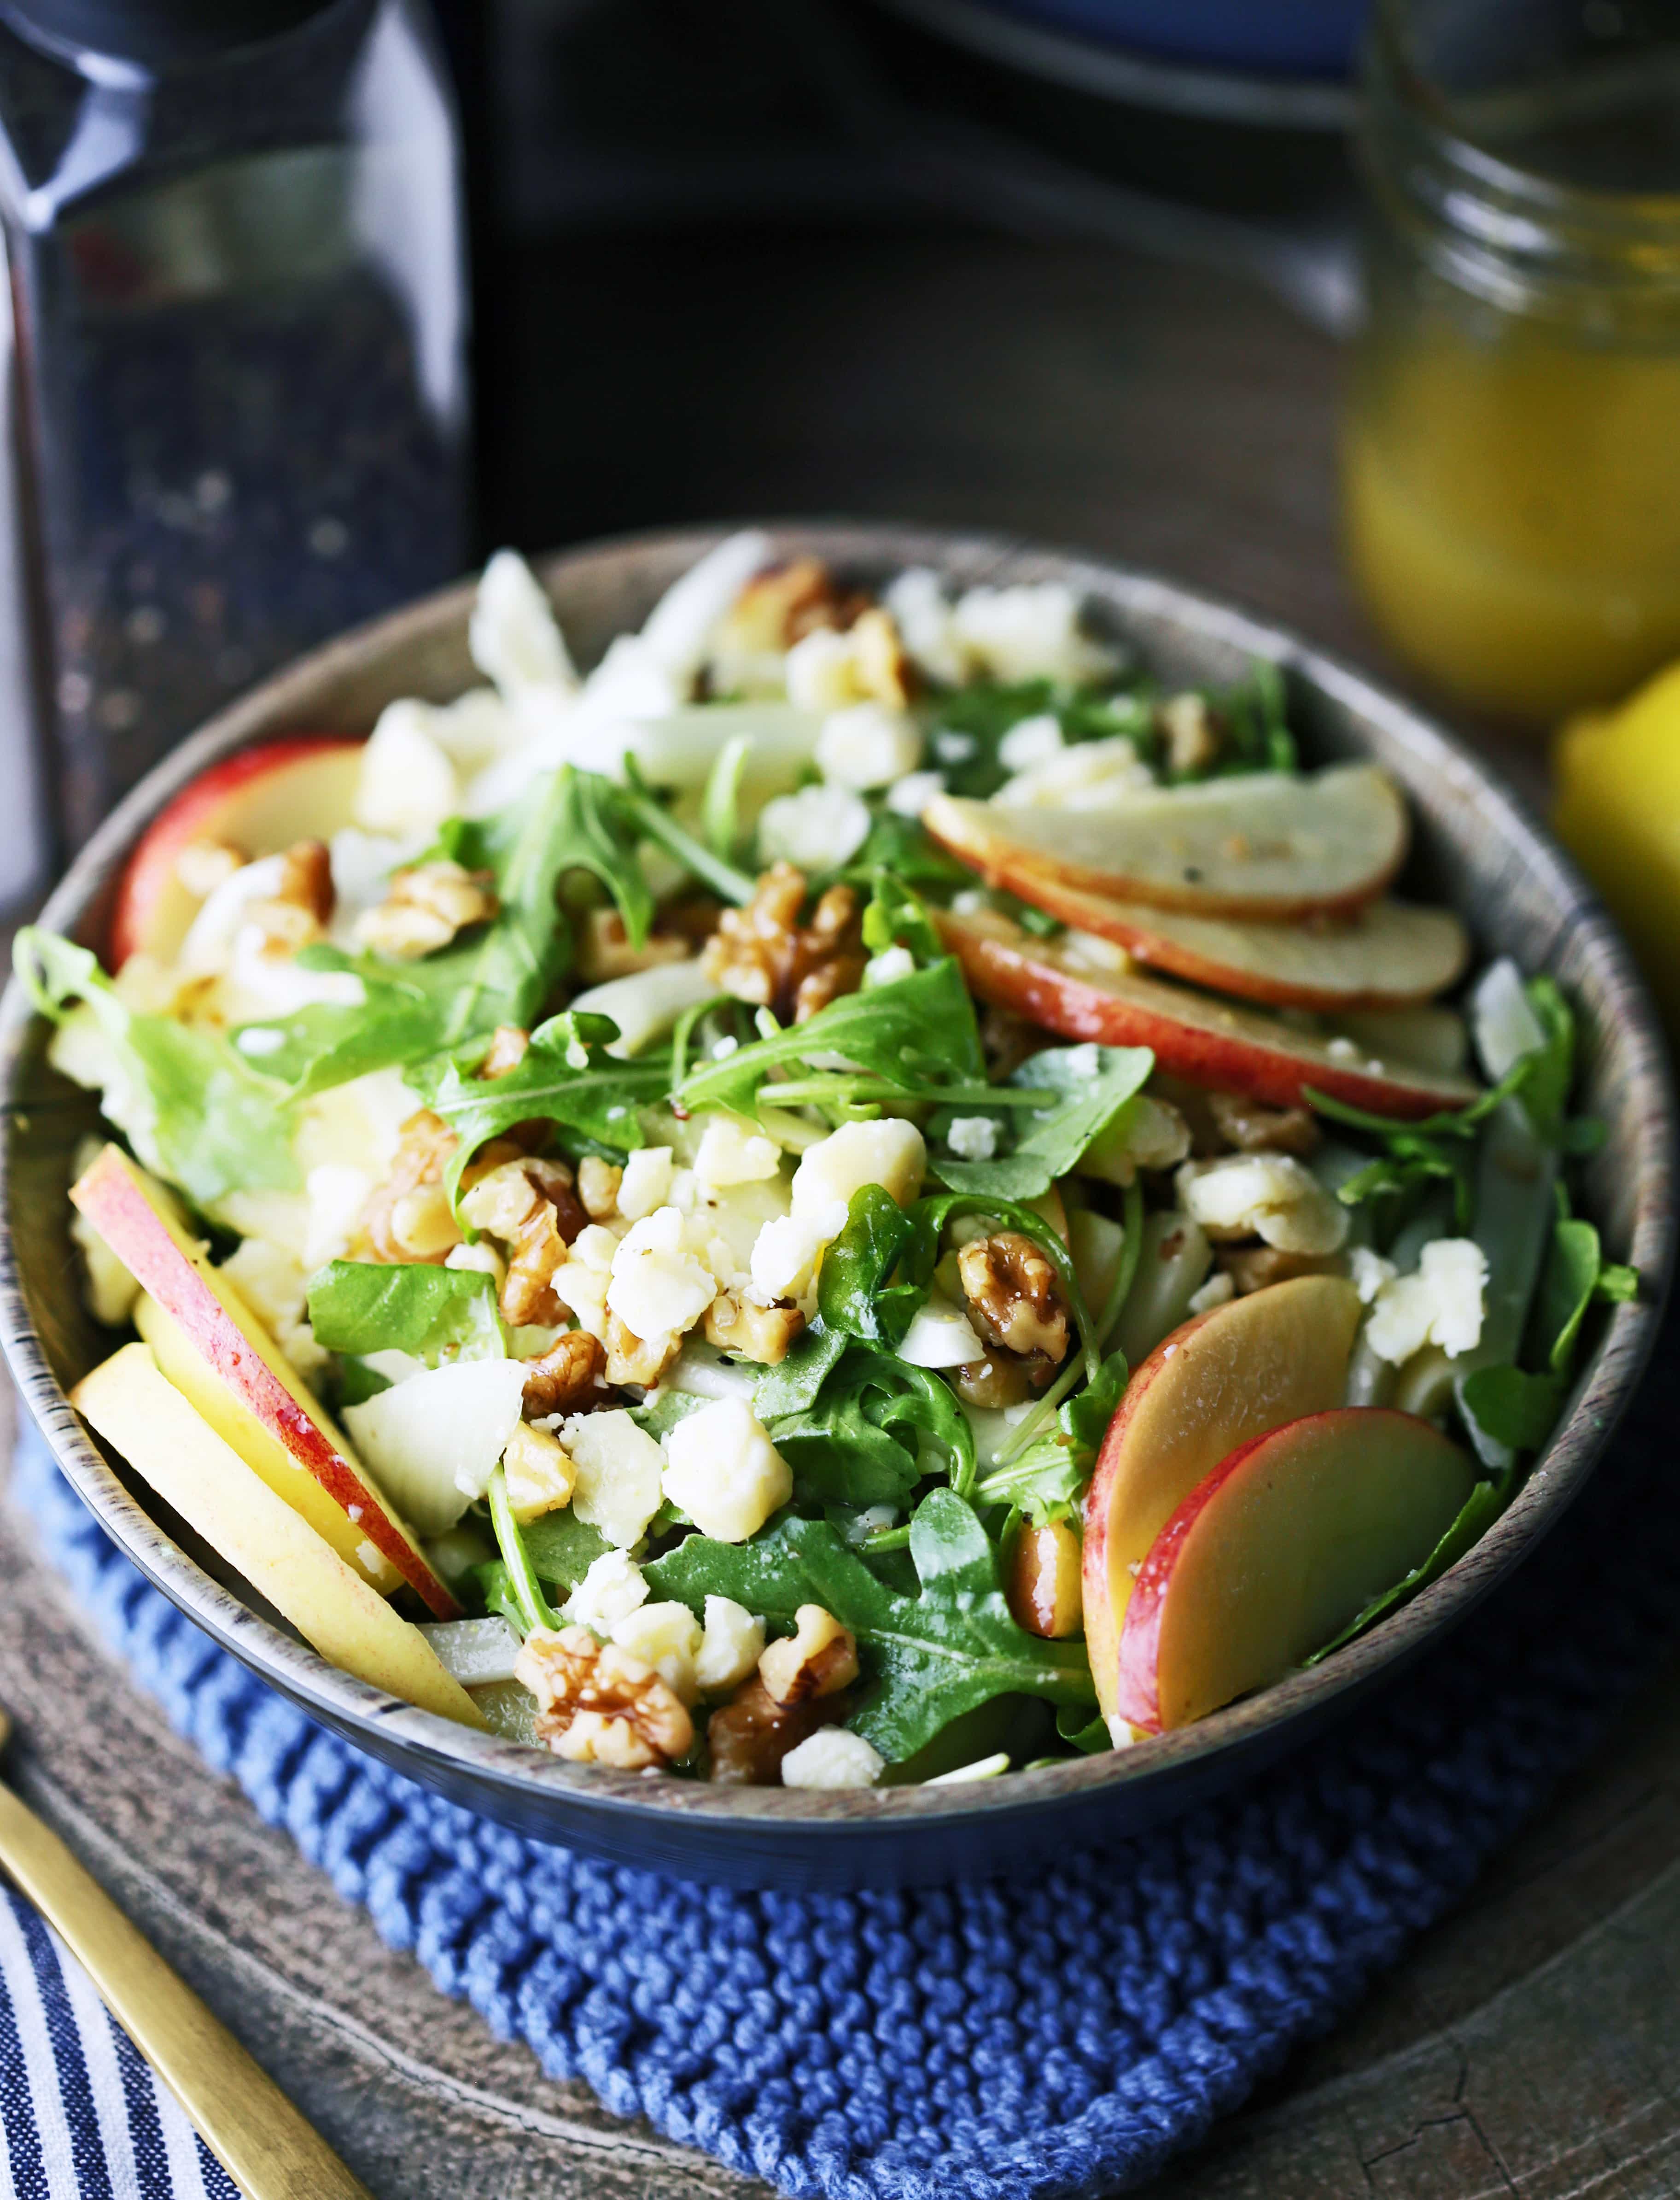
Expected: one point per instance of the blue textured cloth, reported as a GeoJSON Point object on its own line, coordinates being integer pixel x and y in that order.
{"type": "Point", "coordinates": [991, 2041]}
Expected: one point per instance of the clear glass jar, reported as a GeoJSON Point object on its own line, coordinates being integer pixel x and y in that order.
{"type": "Point", "coordinates": [1511, 454]}
{"type": "Point", "coordinates": [238, 386]}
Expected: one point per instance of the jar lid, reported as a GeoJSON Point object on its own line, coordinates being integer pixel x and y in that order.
{"type": "Point", "coordinates": [153, 33]}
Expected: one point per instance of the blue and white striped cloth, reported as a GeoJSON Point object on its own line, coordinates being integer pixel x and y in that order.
{"type": "Point", "coordinates": [82, 2117]}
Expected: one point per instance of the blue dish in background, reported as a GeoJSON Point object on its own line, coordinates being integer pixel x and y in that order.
{"type": "Point", "coordinates": [1288, 37]}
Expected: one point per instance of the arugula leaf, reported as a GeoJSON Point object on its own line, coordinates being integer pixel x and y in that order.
{"type": "Point", "coordinates": [329, 1043]}
{"type": "Point", "coordinates": [652, 822]}
{"type": "Point", "coordinates": [926, 1658]}
{"type": "Point", "coordinates": [853, 1295]}
{"type": "Point", "coordinates": [1511, 1406]}
{"type": "Point", "coordinates": [1091, 1084]}
{"type": "Point", "coordinates": [561, 1548]}
{"type": "Point", "coordinates": [901, 846]}
{"type": "Point", "coordinates": [436, 1313]}
{"type": "Point", "coordinates": [877, 1427]}
{"type": "Point", "coordinates": [906, 1038]}
{"type": "Point", "coordinates": [566, 1078]}
{"type": "Point", "coordinates": [1091, 1737]}
{"type": "Point", "coordinates": [896, 917]}
{"type": "Point", "coordinates": [968, 727]}
{"type": "Point", "coordinates": [1483, 1506]}
{"type": "Point", "coordinates": [720, 803]}
{"type": "Point", "coordinates": [793, 1386]}
{"type": "Point", "coordinates": [192, 1109]}
{"type": "Point", "coordinates": [357, 1382]}
{"type": "Point", "coordinates": [1519, 1409]}
{"type": "Point", "coordinates": [1047, 1480]}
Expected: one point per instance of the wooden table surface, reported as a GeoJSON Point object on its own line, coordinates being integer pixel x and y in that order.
{"type": "Point", "coordinates": [1532, 2044]}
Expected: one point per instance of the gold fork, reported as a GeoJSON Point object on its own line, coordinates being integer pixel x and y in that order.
{"type": "Point", "coordinates": [248, 2123]}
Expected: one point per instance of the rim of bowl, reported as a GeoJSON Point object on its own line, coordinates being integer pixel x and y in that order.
{"type": "Point", "coordinates": [426, 1739]}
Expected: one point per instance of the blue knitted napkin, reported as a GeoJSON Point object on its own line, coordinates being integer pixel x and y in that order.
{"type": "Point", "coordinates": [991, 2040]}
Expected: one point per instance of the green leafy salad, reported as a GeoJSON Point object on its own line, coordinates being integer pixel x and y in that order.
{"type": "Point", "coordinates": [863, 1194]}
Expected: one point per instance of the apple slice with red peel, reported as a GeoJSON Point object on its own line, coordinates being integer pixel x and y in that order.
{"type": "Point", "coordinates": [214, 1350]}
{"type": "Point", "coordinates": [300, 787]}
{"type": "Point", "coordinates": [1264, 845]}
{"type": "Point", "coordinates": [1387, 955]}
{"type": "Point", "coordinates": [1275, 1552]}
{"type": "Point", "coordinates": [1208, 1042]}
{"type": "Point", "coordinates": [1230, 1375]}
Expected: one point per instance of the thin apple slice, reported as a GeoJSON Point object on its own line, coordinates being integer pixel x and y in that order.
{"type": "Point", "coordinates": [1387, 955]}
{"type": "Point", "coordinates": [1228, 1376]}
{"type": "Point", "coordinates": [300, 787]}
{"type": "Point", "coordinates": [1276, 1550]}
{"type": "Point", "coordinates": [215, 1351]}
{"type": "Point", "coordinates": [1228, 1049]}
{"type": "Point", "coordinates": [141, 1414]}
{"type": "Point", "coordinates": [1265, 844]}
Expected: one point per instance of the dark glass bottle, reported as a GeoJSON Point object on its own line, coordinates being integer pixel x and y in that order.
{"type": "Point", "coordinates": [238, 381]}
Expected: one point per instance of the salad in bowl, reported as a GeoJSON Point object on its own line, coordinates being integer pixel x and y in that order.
{"type": "Point", "coordinates": [863, 1194]}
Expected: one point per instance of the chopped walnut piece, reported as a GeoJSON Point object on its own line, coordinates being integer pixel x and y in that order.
{"type": "Point", "coordinates": [640, 1360]}
{"type": "Point", "coordinates": [1193, 732]}
{"type": "Point", "coordinates": [407, 1217]}
{"type": "Point", "coordinates": [427, 905]}
{"type": "Point", "coordinates": [1248, 1128]}
{"type": "Point", "coordinates": [540, 1472]}
{"type": "Point", "coordinates": [1251, 1267]}
{"type": "Point", "coordinates": [510, 1043]}
{"type": "Point", "coordinates": [203, 865]}
{"type": "Point", "coordinates": [1016, 1297]}
{"type": "Point", "coordinates": [295, 915]}
{"type": "Point", "coordinates": [817, 1659]}
{"type": "Point", "coordinates": [750, 1734]}
{"type": "Point", "coordinates": [775, 611]}
{"type": "Point", "coordinates": [883, 669]}
{"type": "Point", "coordinates": [598, 1705]}
{"type": "Point", "coordinates": [764, 955]}
{"type": "Point", "coordinates": [598, 1184]}
{"type": "Point", "coordinates": [553, 1218]}
{"type": "Point", "coordinates": [567, 1378]}
{"type": "Point", "coordinates": [604, 950]}
{"type": "Point", "coordinates": [755, 1332]}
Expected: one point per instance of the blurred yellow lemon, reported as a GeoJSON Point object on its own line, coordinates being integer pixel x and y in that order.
{"type": "Point", "coordinates": [1618, 813]}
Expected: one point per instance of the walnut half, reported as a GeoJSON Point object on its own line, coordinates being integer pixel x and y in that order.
{"type": "Point", "coordinates": [427, 905]}
{"type": "Point", "coordinates": [598, 1705]}
{"type": "Point", "coordinates": [1016, 1297]}
{"type": "Point", "coordinates": [763, 954]}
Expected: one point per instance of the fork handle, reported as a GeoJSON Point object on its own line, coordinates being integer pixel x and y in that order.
{"type": "Point", "coordinates": [269, 2150]}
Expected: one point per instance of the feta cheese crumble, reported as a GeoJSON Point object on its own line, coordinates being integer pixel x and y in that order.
{"type": "Point", "coordinates": [1272, 1196]}
{"type": "Point", "coordinates": [868, 745]}
{"type": "Point", "coordinates": [610, 1592]}
{"type": "Point", "coordinates": [818, 829]}
{"type": "Point", "coordinates": [618, 1467]}
{"type": "Point", "coordinates": [832, 1757]}
{"type": "Point", "coordinates": [1441, 1302]}
{"type": "Point", "coordinates": [722, 1470]}
{"type": "Point", "coordinates": [973, 1138]}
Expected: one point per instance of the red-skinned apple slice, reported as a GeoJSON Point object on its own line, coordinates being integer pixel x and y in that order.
{"type": "Point", "coordinates": [214, 1350]}
{"type": "Point", "coordinates": [1208, 1042]}
{"type": "Point", "coordinates": [1269, 1557]}
{"type": "Point", "coordinates": [1228, 1376]}
{"type": "Point", "coordinates": [1265, 844]}
{"type": "Point", "coordinates": [1387, 955]}
{"type": "Point", "coordinates": [297, 789]}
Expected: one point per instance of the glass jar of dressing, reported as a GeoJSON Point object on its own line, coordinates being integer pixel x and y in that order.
{"type": "Point", "coordinates": [1511, 455]}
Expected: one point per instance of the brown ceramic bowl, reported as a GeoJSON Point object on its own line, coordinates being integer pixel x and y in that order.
{"type": "Point", "coordinates": [1475, 848]}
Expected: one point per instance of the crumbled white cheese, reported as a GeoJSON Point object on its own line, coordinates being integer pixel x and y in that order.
{"type": "Point", "coordinates": [1033, 741]}
{"type": "Point", "coordinates": [208, 948]}
{"type": "Point", "coordinates": [513, 635]}
{"type": "Point", "coordinates": [914, 791]}
{"type": "Point", "coordinates": [665, 1636]}
{"type": "Point", "coordinates": [973, 1138]}
{"type": "Point", "coordinates": [1342, 1049]}
{"type": "Point", "coordinates": [1501, 1019]}
{"type": "Point", "coordinates": [1270, 1196]}
{"type": "Point", "coordinates": [1213, 1293]}
{"type": "Point", "coordinates": [724, 1047]}
{"type": "Point", "coordinates": [1091, 950]}
{"type": "Point", "coordinates": [1029, 632]}
{"type": "Point", "coordinates": [1441, 1303]}
{"type": "Point", "coordinates": [868, 745]}
{"type": "Point", "coordinates": [408, 785]}
{"type": "Point", "coordinates": [927, 625]}
{"type": "Point", "coordinates": [658, 1287]}
{"type": "Point", "coordinates": [723, 1470]}
{"type": "Point", "coordinates": [619, 1467]}
{"type": "Point", "coordinates": [731, 1153]}
{"type": "Point", "coordinates": [832, 1757]}
{"type": "Point", "coordinates": [646, 1182]}
{"type": "Point", "coordinates": [1147, 1133]}
{"type": "Point", "coordinates": [730, 1648]}
{"type": "Point", "coordinates": [609, 1593]}
{"type": "Point", "coordinates": [1369, 1272]}
{"type": "Point", "coordinates": [890, 1153]}
{"type": "Point", "coordinates": [818, 829]}
{"type": "Point", "coordinates": [940, 1335]}
{"type": "Point", "coordinates": [1089, 775]}
{"type": "Point", "coordinates": [887, 967]}
{"type": "Point", "coordinates": [784, 1256]}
